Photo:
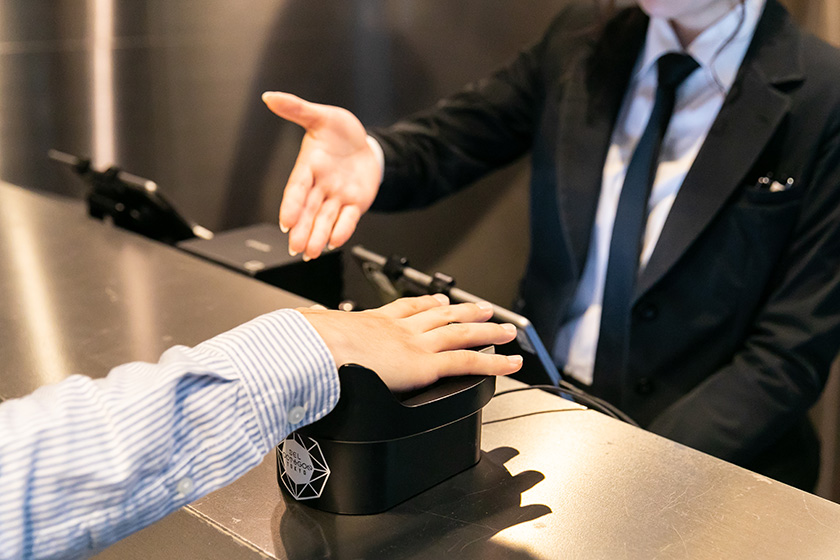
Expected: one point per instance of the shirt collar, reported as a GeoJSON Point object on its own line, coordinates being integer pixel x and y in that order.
{"type": "Point", "coordinates": [723, 65]}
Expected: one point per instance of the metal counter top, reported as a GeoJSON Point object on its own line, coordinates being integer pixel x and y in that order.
{"type": "Point", "coordinates": [80, 296]}
{"type": "Point", "coordinates": [554, 481]}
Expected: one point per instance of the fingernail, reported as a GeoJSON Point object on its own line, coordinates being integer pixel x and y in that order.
{"type": "Point", "coordinates": [331, 247]}
{"type": "Point", "coordinates": [515, 360]}
{"type": "Point", "coordinates": [484, 305]}
{"type": "Point", "coordinates": [509, 329]}
{"type": "Point", "coordinates": [293, 253]}
{"type": "Point", "coordinates": [306, 258]}
{"type": "Point", "coordinates": [284, 229]}
{"type": "Point", "coordinates": [441, 298]}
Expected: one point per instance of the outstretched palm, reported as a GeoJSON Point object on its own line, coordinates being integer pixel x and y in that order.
{"type": "Point", "coordinates": [335, 178]}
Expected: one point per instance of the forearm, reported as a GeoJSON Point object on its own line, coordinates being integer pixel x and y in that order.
{"type": "Point", "coordinates": [85, 463]}
{"type": "Point", "coordinates": [743, 409]}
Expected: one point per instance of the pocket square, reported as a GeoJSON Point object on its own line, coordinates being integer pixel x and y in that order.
{"type": "Point", "coordinates": [771, 185]}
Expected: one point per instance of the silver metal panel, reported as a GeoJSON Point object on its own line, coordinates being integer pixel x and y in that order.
{"type": "Point", "coordinates": [171, 91]}
{"type": "Point", "coordinates": [78, 296]}
{"type": "Point", "coordinates": [183, 534]}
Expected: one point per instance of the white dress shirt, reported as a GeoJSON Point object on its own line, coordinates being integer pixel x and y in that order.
{"type": "Point", "coordinates": [87, 462]}
{"type": "Point", "coordinates": [719, 50]}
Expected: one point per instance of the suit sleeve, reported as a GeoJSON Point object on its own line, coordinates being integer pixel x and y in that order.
{"type": "Point", "coordinates": [779, 371]}
{"type": "Point", "coordinates": [485, 126]}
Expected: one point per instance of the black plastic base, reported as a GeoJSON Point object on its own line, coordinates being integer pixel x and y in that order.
{"type": "Point", "coordinates": [376, 450]}
{"type": "Point", "coordinates": [373, 477]}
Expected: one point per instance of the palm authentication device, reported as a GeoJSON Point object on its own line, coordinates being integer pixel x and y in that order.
{"type": "Point", "coordinates": [376, 449]}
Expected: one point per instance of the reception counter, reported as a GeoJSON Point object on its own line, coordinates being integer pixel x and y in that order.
{"type": "Point", "coordinates": [554, 481]}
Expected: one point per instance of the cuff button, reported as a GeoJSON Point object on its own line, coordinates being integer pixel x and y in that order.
{"type": "Point", "coordinates": [296, 414]}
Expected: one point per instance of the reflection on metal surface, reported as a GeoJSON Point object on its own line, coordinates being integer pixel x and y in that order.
{"type": "Point", "coordinates": [577, 485]}
{"type": "Point", "coordinates": [171, 90]}
{"type": "Point", "coordinates": [139, 291]}
{"type": "Point", "coordinates": [77, 296]}
{"type": "Point", "coordinates": [104, 141]}
{"type": "Point", "coordinates": [458, 519]}
{"type": "Point", "coordinates": [34, 294]}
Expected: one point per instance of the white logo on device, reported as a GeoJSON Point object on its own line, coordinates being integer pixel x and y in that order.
{"type": "Point", "coordinates": [303, 469]}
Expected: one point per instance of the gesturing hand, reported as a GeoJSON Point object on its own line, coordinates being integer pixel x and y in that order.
{"type": "Point", "coordinates": [335, 178]}
{"type": "Point", "coordinates": [413, 342]}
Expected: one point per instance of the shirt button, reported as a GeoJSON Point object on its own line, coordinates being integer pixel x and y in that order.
{"type": "Point", "coordinates": [185, 486]}
{"type": "Point", "coordinates": [296, 414]}
{"type": "Point", "coordinates": [645, 386]}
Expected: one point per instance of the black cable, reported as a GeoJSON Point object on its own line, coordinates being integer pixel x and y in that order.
{"type": "Point", "coordinates": [574, 394]}
{"type": "Point", "coordinates": [617, 412]}
{"type": "Point", "coordinates": [579, 399]}
{"type": "Point", "coordinates": [399, 274]}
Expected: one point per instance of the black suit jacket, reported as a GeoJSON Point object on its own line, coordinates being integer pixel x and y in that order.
{"type": "Point", "coordinates": [736, 317]}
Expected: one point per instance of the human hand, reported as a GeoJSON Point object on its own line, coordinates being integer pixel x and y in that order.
{"type": "Point", "coordinates": [413, 342]}
{"type": "Point", "coordinates": [335, 178]}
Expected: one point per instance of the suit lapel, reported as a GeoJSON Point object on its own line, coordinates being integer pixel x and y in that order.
{"type": "Point", "coordinates": [587, 114]}
{"type": "Point", "coordinates": [750, 115]}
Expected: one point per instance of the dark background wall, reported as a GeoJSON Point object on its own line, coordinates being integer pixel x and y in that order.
{"type": "Point", "coordinates": [170, 90]}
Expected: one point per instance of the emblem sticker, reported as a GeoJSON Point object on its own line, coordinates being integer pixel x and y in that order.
{"type": "Point", "coordinates": [303, 469]}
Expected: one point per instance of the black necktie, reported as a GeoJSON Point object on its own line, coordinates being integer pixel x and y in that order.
{"type": "Point", "coordinates": [626, 242]}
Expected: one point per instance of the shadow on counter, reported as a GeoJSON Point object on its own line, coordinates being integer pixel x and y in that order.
{"type": "Point", "coordinates": [454, 519]}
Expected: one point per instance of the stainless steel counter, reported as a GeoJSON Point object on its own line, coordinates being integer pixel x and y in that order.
{"type": "Point", "coordinates": [79, 296]}
{"type": "Point", "coordinates": [554, 481]}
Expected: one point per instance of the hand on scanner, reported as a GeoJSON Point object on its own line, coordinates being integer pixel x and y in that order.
{"type": "Point", "coordinates": [413, 342]}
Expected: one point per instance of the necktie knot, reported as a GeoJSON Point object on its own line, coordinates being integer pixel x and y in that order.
{"type": "Point", "coordinates": [674, 68]}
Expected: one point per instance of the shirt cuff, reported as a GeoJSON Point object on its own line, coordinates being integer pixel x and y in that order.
{"type": "Point", "coordinates": [380, 155]}
{"type": "Point", "coordinates": [285, 369]}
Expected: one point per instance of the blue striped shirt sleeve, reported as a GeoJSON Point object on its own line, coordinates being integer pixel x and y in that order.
{"type": "Point", "coordinates": [85, 462]}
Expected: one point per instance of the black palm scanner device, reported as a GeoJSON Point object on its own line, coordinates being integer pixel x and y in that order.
{"type": "Point", "coordinates": [376, 449]}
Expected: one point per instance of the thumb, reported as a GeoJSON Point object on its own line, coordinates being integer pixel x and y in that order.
{"type": "Point", "coordinates": [294, 109]}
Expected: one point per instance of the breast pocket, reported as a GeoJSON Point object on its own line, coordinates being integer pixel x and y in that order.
{"type": "Point", "coordinates": [764, 217]}
{"type": "Point", "coordinates": [764, 196]}
{"type": "Point", "coordinates": [759, 226]}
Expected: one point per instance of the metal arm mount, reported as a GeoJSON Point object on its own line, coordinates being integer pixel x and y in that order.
{"type": "Point", "coordinates": [131, 202]}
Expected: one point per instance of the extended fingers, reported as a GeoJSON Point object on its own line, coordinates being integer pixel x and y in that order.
{"type": "Point", "coordinates": [460, 313]}
{"type": "Point", "coordinates": [332, 227]}
{"type": "Point", "coordinates": [456, 336]}
{"type": "Point", "coordinates": [345, 225]}
{"type": "Point", "coordinates": [469, 362]}
{"type": "Point", "coordinates": [300, 232]}
{"type": "Point", "coordinates": [409, 306]}
{"type": "Point", "coordinates": [294, 195]}
{"type": "Point", "coordinates": [322, 228]}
